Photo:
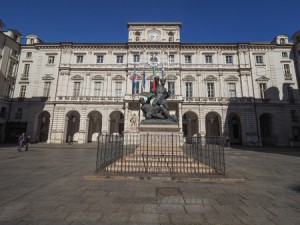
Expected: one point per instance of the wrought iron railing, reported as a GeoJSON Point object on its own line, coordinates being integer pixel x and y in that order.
{"type": "Point", "coordinates": [160, 154]}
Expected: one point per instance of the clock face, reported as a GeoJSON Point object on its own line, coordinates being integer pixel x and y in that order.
{"type": "Point", "coordinates": [153, 36]}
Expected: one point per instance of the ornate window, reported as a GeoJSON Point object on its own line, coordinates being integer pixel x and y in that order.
{"type": "Point", "coordinates": [188, 59]}
{"type": "Point", "coordinates": [262, 89]}
{"type": "Point", "coordinates": [26, 70]}
{"type": "Point", "coordinates": [28, 55]}
{"type": "Point", "coordinates": [118, 88]}
{"type": "Point", "coordinates": [136, 58]}
{"type": "Point", "coordinates": [287, 71]}
{"type": "Point", "coordinates": [79, 59]}
{"type": "Point", "coordinates": [97, 89]}
{"type": "Point", "coordinates": [22, 91]}
{"type": "Point", "coordinates": [232, 90]}
{"type": "Point", "coordinates": [208, 59]}
{"type": "Point", "coordinates": [76, 89]}
{"type": "Point", "coordinates": [171, 58]}
{"type": "Point", "coordinates": [259, 59]}
{"type": "Point", "coordinates": [99, 58]}
{"type": "Point", "coordinates": [51, 59]}
{"type": "Point", "coordinates": [210, 90]}
{"type": "Point", "coordinates": [229, 59]}
{"type": "Point", "coordinates": [284, 54]}
{"type": "Point", "coordinates": [119, 59]}
{"type": "Point", "coordinates": [46, 90]}
{"type": "Point", "coordinates": [189, 89]}
{"type": "Point", "coordinates": [171, 87]}
{"type": "Point", "coordinates": [135, 88]}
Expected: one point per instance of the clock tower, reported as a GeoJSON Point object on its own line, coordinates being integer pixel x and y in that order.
{"type": "Point", "coordinates": [154, 32]}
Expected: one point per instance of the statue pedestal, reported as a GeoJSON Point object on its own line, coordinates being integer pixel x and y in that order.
{"type": "Point", "coordinates": [160, 133]}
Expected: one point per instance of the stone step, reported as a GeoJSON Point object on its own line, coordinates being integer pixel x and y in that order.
{"type": "Point", "coordinates": [159, 159]}
{"type": "Point", "coordinates": [142, 169]}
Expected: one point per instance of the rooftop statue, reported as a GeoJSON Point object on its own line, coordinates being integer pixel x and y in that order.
{"type": "Point", "coordinates": [154, 104]}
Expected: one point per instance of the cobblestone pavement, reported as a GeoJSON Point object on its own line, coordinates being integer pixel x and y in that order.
{"type": "Point", "coordinates": [57, 184]}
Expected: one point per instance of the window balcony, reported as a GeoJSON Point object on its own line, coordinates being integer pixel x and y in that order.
{"type": "Point", "coordinates": [90, 98]}
{"type": "Point", "coordinates": [288, 76]}
{"type": "Point", "coordinates": [24, 76]}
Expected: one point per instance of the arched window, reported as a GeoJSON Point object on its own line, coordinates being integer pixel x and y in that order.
{"type": "Point", "coordinates": [282, 41]}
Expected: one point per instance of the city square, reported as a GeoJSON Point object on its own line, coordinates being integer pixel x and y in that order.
{"type": "Point", "coordinates": [57, 184]}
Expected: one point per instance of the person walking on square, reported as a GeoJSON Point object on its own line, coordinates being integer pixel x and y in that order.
{"type": "Point", "coordinates": [27, 143]}
{"type": "Point", "coordinates": [69, 139]}
{"type": "Point", "coordinates": [21, 141]}
{"type": "Point", "coordinates": [227, 142]}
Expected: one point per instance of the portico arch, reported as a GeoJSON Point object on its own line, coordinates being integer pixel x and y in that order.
{"type": "Point", "coordinates": [190, 125]}
{"type": "Point", "coordinates": [266, 130]}
{"type": "Point", "coordinates": [235, 129]}
{"type": "Point", "coordinates": [116, 124]}
{"type": "Point", "coordinates": [213, 124]}
{"type": "Point", "coordinates": [94, 124]}
{"type": "Point", "coordinates": [43, 126]}
{"type": "Point", "coordinates": [72, 123]}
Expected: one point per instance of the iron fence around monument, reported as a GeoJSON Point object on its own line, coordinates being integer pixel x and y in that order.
{"type": "Point", "coordinates": [160, 154]}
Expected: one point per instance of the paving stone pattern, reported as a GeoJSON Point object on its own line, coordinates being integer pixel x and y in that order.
{"type": "Point", "coordinates": [57, 184]}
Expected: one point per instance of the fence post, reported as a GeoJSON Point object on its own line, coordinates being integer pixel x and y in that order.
{"type": "Point", "coordinates": [172, 160]}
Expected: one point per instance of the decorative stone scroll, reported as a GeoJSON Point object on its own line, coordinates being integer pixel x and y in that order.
{"type": "Point", "coordinates": [77, 77]}
{"type": "Point", "coordinates": [263, 78]}
{"type": "Point", "coordinates": [189, 78]}
{"type": "Point", "coordinates": [231, 78]}
{"type": "Point", "coordinates": [97, 77]}
{"type": "Point", "coordinates": [171, 77]}
{"type": "Point", "coordinates": [138, 77]}
{"type": "Point", "coordinates": [210, 78]}
{"type": "Point", "coordinates": [118, 77]}
{"type": "Point", "coordinates": [47, 77]}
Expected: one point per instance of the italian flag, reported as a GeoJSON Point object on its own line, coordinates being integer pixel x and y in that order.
{"type": "Point", "coordinates": [154, 75]}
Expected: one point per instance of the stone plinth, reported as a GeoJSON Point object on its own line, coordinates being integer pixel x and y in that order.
{"type": "Point", "coordinates": [161, 128]}
{"type": "Point", "coordinates": [160, 134]}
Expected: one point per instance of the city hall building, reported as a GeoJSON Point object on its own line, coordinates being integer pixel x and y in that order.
{"type": "Point", "coordinates": [247, 91]}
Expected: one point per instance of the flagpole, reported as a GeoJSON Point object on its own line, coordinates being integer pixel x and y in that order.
{"type": "Point", "coordinates": [168, 63]}
{"type": "Point", "coordinates": [162, 68]}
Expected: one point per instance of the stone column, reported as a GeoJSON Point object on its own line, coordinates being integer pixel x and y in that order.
{"type": "Point", "coordinates": [82, 126]}
{"type": "Point", "coordinates": [180, 116]}
{"type": "Point", "coordinates": [88, 85]}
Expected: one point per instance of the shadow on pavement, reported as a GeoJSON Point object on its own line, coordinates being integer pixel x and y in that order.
{"type": "Point", "coordinates": [291, 151]}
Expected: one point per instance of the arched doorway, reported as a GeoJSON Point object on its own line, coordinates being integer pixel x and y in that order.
{"type": "Point", "coordinates": [94, 122]}
{"type": "Point", "coordinates": [212, 124]}
{"type": "Point", "coordinates": [72, 125]}
{"type": "Point", "coordinates": [116, 122]}
{"type": "Point", "coordinates": [265, 121]}
{"type": "Point", "coordinates": [43, 126]}
{"type": "Point", "coordinates": [189, 125]}
{"type": "Point", "coordinates": [235, 129]}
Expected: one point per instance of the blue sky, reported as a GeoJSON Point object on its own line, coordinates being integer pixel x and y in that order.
{"type": "Point", "coordinates": [99, 21]}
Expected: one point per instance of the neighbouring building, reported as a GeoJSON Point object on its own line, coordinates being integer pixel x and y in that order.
{"type": "Point", "coordinates": [10, 49]}
{"type": "Point", "coordinates": [247, 91]}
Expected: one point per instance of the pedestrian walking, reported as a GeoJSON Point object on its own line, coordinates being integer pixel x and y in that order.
{"type": "Point", "coordinates": [69, 139]}
{"type": "Point", "coordinates": [227, 141]}
{"type": "Point", "coordinates": [21, 141]}
{"type": "Point", "coordinates": [27, 142]}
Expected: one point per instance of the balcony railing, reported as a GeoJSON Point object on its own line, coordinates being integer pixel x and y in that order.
{"type": "Point", "coordinates": [174, 98]}
{"type": "Point", "coordinates": [90, 98]}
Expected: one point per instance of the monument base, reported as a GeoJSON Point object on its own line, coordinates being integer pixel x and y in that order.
{"type": "Point", "coordinates": [161, 134]}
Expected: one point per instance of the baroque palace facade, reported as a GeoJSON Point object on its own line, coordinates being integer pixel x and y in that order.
{"type": "Point", "coordinates": [247, 91]}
